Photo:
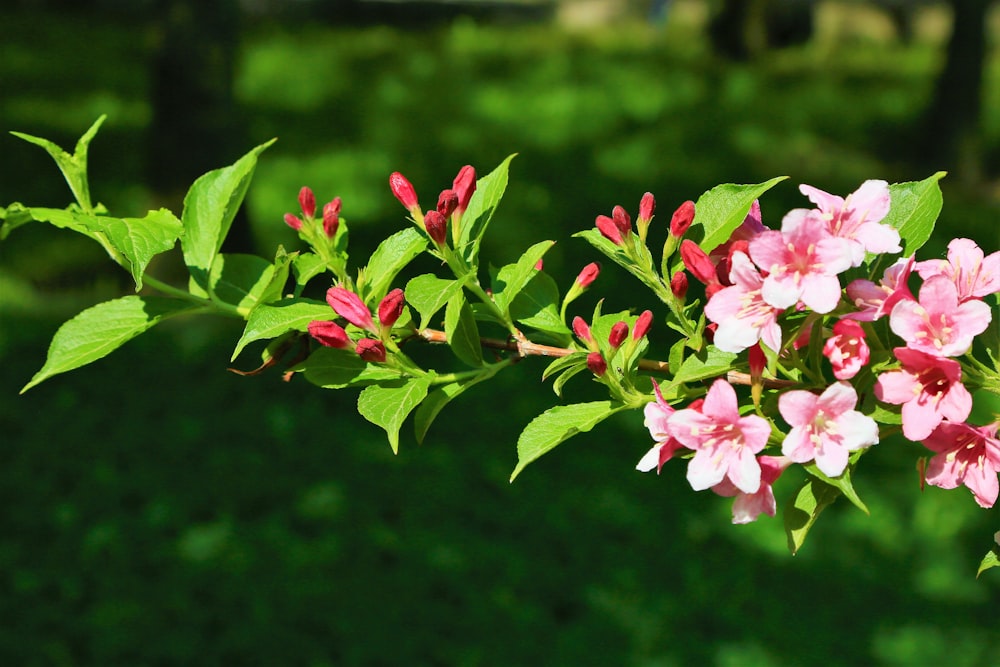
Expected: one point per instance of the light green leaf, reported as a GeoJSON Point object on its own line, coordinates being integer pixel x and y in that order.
{"type": "Point", "coordinates": [512, 278]}
{"type": "Point", "coordinates": [462, 331]}
{"type": "Point", "coordinates": [536, 306]}
{"type": "Point", "coordinates": [138, 240]}
{"type": "Point", "coordinates": [723, 208]}
{"type": "Point", "coordinates": [57, 217]}
{"type": "Point", "coordinates": [73, 167]}
{"type": "Point", "coordinates": [209, 208]}
{"type": "Point", "coordinates": [275, 288]}
{"type": "Point", "coordinates": [489, 191]}
{"type": "Point", "coordinates": [562, 363]}
{"type": "Point", "coordinates": [804, 508]}
{"type": "Point", "coordinates": [711, 363]}
{"type": "Point", "coordinates": [842, 482]}
{"type": "Point", "coordinates": [101, 329]}
{"type": "Point", "coordinates": [389, 258]}
{"type": "Point", "coordinates": [990, 560]}
{"type": "Point", "coordinates": [578, 367]}
{"type": "Point", "coordinates": [387, 405]}
{"type": "Point", "coordinates": [556, 425]}
{"type": "Point", "coordinates": [271, 320]}
{"type": "Point", "coordinates": [914, 210]}
{"type": "Point", "coordinates": [336, 368]}
{"type": "Point", "coordinates": [241, 280]}
{"type": "Point", "coordinates": [305, 267]}
{"type": "Point", "coordinates": [428, 294]}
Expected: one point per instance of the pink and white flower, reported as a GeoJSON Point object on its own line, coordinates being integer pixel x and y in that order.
{"type": "Point", "coordinates": [741, 312]}
{"type": "Point", "coordinates": [657, 414]}
{"type": "Point", "coordinates": [857, 218]}
{"type": "Point", "coordinates": [928, 387]}
{"type": "Point", "coordinates": [748, 506]}
{"type": "Point", "coordinates": [825, 428]}
{"type": "Point", "coordinates": [937, 323]}
{"type": "Point", "coordinates": [974, 274]}
{"type": "Point", "coordinates": [967, 455]}
{"type": "Point", "coordinates": [846, 349]}
{"type": "Point", "coordinates": [723, 441]}
{"type": "Point", "coordinates": [873, 301]}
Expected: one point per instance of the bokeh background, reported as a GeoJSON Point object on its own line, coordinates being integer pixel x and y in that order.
{"type": "Point", "coordinates": [158, 510]}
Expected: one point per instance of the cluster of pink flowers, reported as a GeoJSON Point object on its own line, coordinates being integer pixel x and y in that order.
{"type": "Point", "coordinates": [761, 274]}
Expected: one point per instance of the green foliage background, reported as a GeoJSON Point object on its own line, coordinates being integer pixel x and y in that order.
{"type": "Point", "coordinates": [158, 510]}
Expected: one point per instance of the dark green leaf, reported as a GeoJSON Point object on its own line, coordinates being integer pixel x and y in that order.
{"type": "Point", "coordinates": [804, 508]}
{"type": "Point", "coordinates": [387, 405]}
{"type": "Point", "coordinates": [462, 331]}
{"type": "Point", "coordinates": [556, 425]}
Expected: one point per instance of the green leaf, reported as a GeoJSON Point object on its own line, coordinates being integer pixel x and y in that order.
{"type": "Point", "coordinates": [804, 508]}
{"type": "Point", "coordinates": [209, 208]}
{"type": "Point", "coordinates": [57, 217]}
{"type": "Point", "coordinates": [462, 331]}
{"type": "Point", "coordinates": [578, 367]}
{"type": "Point", "coordinates": [138, 240]}
{"type": "Point", "coordinates": [387, 405]}
{"type": "Point", "coordinates": [536, 306]}
{"type": "Point", "coordinates": [272, 320]}
{"type": "Point", "coordinates": [428, 294]}
{"type": "Point", "coordinates": [562, 363]}
{"type": "Point", "coordinates": [389, 258]}
{"type": "Point", "coordinates": [489, 191]}
{"type": "Point", "coordinates": [711, 363]}
{"type": "Point", "coordinates": [723, 208]}
{"type": "Point", "coordinates": [335, 368]}
{"type": "Point", "coordinates": [990, 560]}
{"type": "Point", "coordinates": [101, 329]}
{"type": "Point", "coordinates": [842, 482]}
{"type": "Point", "coordinates": [440, 397]}
{"type": "Point", "coordinates": [512, 278]}
{"type": "Point", "coordinates": [73, 167]}
{"type": "Point", "coordinates": [275, 288]}
{"type": "Point", "coordinates": [305, 267]}
{"type": "Point", "coordinates": [556, 425]}
{"type": "Point", "coordinates": [914, 210]}
{"type": "Point", "coordinates": [241, 280]}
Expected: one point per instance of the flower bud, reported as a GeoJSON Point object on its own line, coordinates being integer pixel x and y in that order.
{"type": "Point", "coordinates": [679, 285]}
{"type": "Point", "coordinates": [588, 275]}
{"type": "Point", "coordinates": [682, 218]}
{"type": "Point", "coordinates": [348, 305]}
{"type": "Point", "coordinates": [464, 186]}
{"type": "Point", "coordinates": [329, 334]}
{"type": "Point", "coordinates": [371, 350]}
{"type": "Point", "coordinates": [331, 217]}
{"type": "Point", "coordinates": [596, 364]}
{"type": "Point", "coordinates": [646, 207]}
{"type": "Point", "coordinates": [606, 226]}
{"type": "Point", "coordinates": [307, 200]}
{"type": "Point", "coordinates": [582, 329]}
{"type": "Point", "coordinates": [540, 264]}
{"type": "Point", "coordinates": [697, 262]}
{"type": "Point", "coordinates": [437, 227]}
{"type": "Point", "coordinates": [447, 202]}
{"type": "Point", "coordinates": [390, 308]}
{"type": "Point", "coordinates": [293, 221]}
{"type": "Point", "coordinates": [619, 332]}
{"type": "Point", "coordinates": [758, 361]}
{"type": "Point", "coordinates": [403, 190]}
{"type": "Point", "coordinates": [622, 221]}
{"type": "Point", "coordinates": [642, 325]}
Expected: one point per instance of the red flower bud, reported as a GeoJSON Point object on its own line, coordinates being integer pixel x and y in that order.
{"type": "Point", "coordinates": [464, 185]}
{"type": "Point", "coordinates": [619, 332]}
{"type": "Point", "coordinates": [391, 307]}
{"type": "Point", "coordinates": [447, 202]}
{"type": "Point", "coordinates": [646, 206]}
{"type": "Point", "coordinates": [697, 262]}
{"type": "Point", "coordinates": [371, 350]}
{"type": "Point", "coordinates": [329, 334]}
{"type": "Point", "coordinates": [642, 325]}
{"type": "Point", "coordinates": [331, 217]}
{"type": "Point", "coordinates": [293, 221]}
{"type": "Point", "coordinates": [582, 329]}
{"type": "Point", "coordinates": [679, 285]}
{"type": "Point", "coordinates": [437, 227]}
{"type": "Point", "coordinates": [307, 200]}
{"type": "Point", "coordinates": [588, 275]}
{"type": "Point", "coordinates": [757, 360]}
{"type": "Point", "coordinates": [596, 364]}
{"type": "Point", "coordinates": [540, 264]}
{"type": "Point", "coordinates": [348, 305]}
{"type": "Point", "coordinates": [606, 226]}
{"type": "Point", "coordinates": [622, 221]}
{"type": "Point", "coordinates": [403, 191]}
{"type": "Point", "coordinates": [682, 218]}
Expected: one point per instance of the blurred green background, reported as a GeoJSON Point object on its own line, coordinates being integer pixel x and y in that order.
{"type": "Point", "coordinates": [158, 510]}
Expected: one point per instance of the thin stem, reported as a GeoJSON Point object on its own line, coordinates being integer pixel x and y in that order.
{"type": "Point", "coordinates": [213, 304]}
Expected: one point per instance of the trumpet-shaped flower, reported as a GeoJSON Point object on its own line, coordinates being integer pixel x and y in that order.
{"type": "Point", "coordinates": [928, 387]}
{"type": "Point", "coordinates": [846, 349]}
{"type": "Point", "coordinates": [966, 455]}
{"type": "Point", "coordinates": [657, 414]}
{"type": "Point", "coordinates": [873, 301]}
{"type": "Point", "coordinates": [825, 428]}
{"type": "Point", "coordinates": [857, 219]}
{"type": "Point", "coordinates": [974, 274]}
{"type": "Point", "coordinates": [724, 442]}
{"type": "Point", "coordinates": [741, 312]}
{"type": "Point", "coordinates": [748, 506]}
{"type": "Point", "coordinates": [937, 323]}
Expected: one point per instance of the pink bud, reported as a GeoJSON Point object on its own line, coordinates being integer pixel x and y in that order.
{"type": "Point", "coordinates": [329, 334]}
{"type": "Point", "coordinates": [622, 221]}
{"type": "Point", "coordinates": [403, 191]}
{"type": "Point", "coordinates": [331, 217]}
{"type": "Point", "coordinates": [619, 332]}
{"type": "Point", "coordinates": [646, 206]}
{"type": "Point", "coordinates": [540, 264]}
{"type": "Point", "coordinates": [582, 329]}
{"type": "Point", "coordinates": [642, 325]}
{"type": "Point", "coordinates": [606, 226]}
{"type": "Point", "coordinates": [588, 275]}
{"type": "Point", "coordinates": [293, 221]}
{"type": "Point", "coordinates": [391, 307]}
{"type": "Point", "coordinates": [436, 226]}
{"type": "Point", "coordinates": [348, 305]}
{"type": "Point", "coordinates": [447, 202]}
{"type": "Point", "coordinates": [307, 200]}
{"type": "Point", "coordinates": [596, 364]}
{"type": "Point", "coordinates": [697, 262]}
{"type": "Point", "coordinates": [682, 218]}
{"type": "Point", "coordinates": [679, 285]}
{"type": "Point", "coordinates": [757, 359]}
{"type": "Point", "coordinates": [464, 185]}
{"type": "Point", "coordinates": [371, 350]}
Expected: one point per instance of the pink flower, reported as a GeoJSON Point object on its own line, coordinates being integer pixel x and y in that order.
{"type": "Point", "coordinates": [582, 330]}
{"type": "Point", "coordinates": [403, 190]}
{"type": "Point", "coordinates": [873, 301]}
{"type": "Point", "coordinates": [657, 413]}
{"type": "Point", "coordinates": [846, 349]}
{"type": "Point", "coordinates": [724, 442]}
{"type": "Point", "coordinates": [618, 334]}
{"type": "Point", "coordinates": [608, 229]}
{"type": "Point", "coordinates": [928, 387]}
{"type": "Point", "coordinates": [974, 275]}
{"type": "Point", "coordinates": [741, 312]}
{"type": "Point", "coordinates": [349, 305]}
{"type": "Point", "coordinates": [390, 308]}
{"type": "Point", "coordinates": [588, 275]}
{"type": "Point", "coordinates": [642, 325]}
{"type": "Point", "coordinates": [700, 265]}
{"type": "Point", "coordinates": [331, 217]}
{"type": "Point", "coordinates": [967, 455]}
{"type": "Point", "coordinates": [447, 202]}
{"type": "Point", "coordinates": [682, 218]}
{"type": "Point", "coordinates": [748, 506]}
{"type": "Point", "coordinates": [371, 350]}
{"type": "Point", "coordinates": [825, 428]}
{"type": "Point", "coordinates": [646, 207]}
{"type": "Point", "coordinates": [307, 201]}
{"type": "Point", "coordinates": [437, 227]}
{"type": "Point", "coordinates": [293, 221]}
{"type": "Point", "coordinates": [464, 186]}
{"type": "Point", "coordinates": [937, 323]}
{"type": "Point", "coordinates": [622, 220]}
{"type": "Point", "coordinates": [802, 261]}
{"type": "Point", "coordinates": [856, 219]}
{"type": "Point", "coordinates": [329, 334]}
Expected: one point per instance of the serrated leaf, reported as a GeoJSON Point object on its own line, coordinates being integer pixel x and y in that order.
{"type": "Point", "coordinates": [428, 294]}
{"type": "Point", "coordinates": [62, 218]}
{"type": "Point", "coordinates": [723, 208]}
{"type": "Point", "coordinates": [272, 320]}
{"type": "Point", "coordinates": [101, 329]}
{"type": "Point", "coordinates": [804, 508]}
{"type": "Point", "coordinates": [512, 278]}
{"type": "Point", "coordinates": [73, 167]}
{"type": "Point", "coordinates": [462, 331]}
{"type": "Point", "coordinates": [138, 240]}
{"type": "Point", "coordinates": [210, 206]}
{"type": "Point", "coordinates": [711, 363]}
{"type": "Point", "coordinates": [240, 280]}
{"type": "Point", "coordinates": [914, 210]}
{"type": "Point", "coordinates": [489, 191]}
{"type": "Point", "coordinates": [336, 368]}
{"type": "Point", "coordinates": [387, 405]}
{"type": "Point", "coordinates": [555, 426]}
{"type": "Point", "coordinates": [562, 363]}
{"type": "Point", "coordinates": [990, 560]}
{"type": "Point", "coordinates": [389, 258]}
{"type": "Point", "coordinates": [536, 306]}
